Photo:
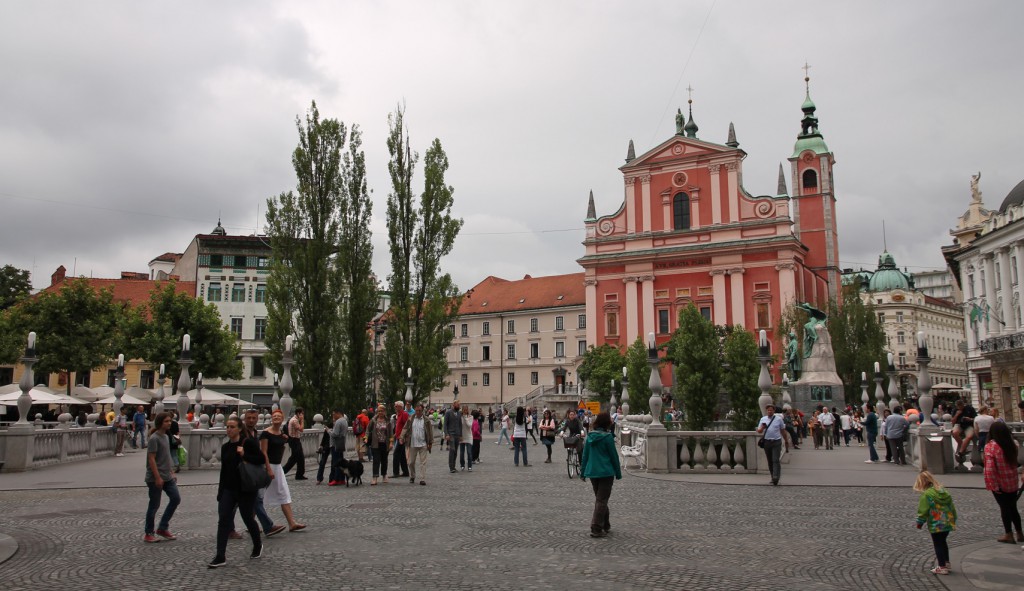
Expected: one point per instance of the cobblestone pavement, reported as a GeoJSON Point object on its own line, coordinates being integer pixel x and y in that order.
{"type": "Point", "coordinates": [499, 527]}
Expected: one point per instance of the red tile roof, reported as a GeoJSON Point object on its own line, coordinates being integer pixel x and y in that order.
{"type": "Point", "coordinates": [494, 294]}
{"type": "Point", "coordinates": [132, 291]}
{"type": "Point", "coordinates": [168, 257]}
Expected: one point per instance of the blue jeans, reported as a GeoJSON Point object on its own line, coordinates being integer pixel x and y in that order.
{"type": "Point", "coordinates": [135, 436]}
{"type": "Point", "coordinates": [261, 513]}
{"type": "Point", "coordinates": [335, 475]}
{"type": "Point", "coordinates": [466, 455]}
{"type": "Point", "coordinates": [872, 454]}
{"type": "Point", "coordinates": [503, 433]}
{"type": "Point", "coordinates": [173, 500]}
{"type": "Point", "coordinates": [519, 443]}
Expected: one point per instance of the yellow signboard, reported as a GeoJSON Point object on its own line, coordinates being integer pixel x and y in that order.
{"type": "Point", "coordinates": [594, 407]}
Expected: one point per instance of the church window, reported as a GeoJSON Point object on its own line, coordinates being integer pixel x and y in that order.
{"type": "Point", "coordinates": [763, 316]}
{"type": "Point", "coordinates": [663, 321]}
{"type": "Point", "coordinates": [681, 212]}
{"type": "Point", "coordinates": [705, 311]}
{"type": "Point", "coordinates": [810, 179]}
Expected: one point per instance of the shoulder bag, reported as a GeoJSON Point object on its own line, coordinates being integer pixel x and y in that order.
{"type": "Point", "coordinates": [253, 477]}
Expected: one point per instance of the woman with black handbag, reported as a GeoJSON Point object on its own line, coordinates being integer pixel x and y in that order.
{"type": "Point", "coordinates": [233, 495]}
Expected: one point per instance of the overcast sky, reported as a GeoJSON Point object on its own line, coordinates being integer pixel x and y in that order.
{"type": "Point", "coordinates": [128, 127]}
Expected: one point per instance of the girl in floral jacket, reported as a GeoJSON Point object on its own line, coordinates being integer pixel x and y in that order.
{"type": "Point", "coordinates": [937, 510]}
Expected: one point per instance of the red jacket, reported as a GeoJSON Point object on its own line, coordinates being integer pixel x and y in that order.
{"type": "Point", "coordinates": [400, 419]}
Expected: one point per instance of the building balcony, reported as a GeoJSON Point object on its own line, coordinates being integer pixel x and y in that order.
{"type": "Point", "coordinates": [1011, 342]}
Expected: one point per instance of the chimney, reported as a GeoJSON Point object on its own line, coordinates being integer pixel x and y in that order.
{"type": "Point", "coordinates": [58, 275]}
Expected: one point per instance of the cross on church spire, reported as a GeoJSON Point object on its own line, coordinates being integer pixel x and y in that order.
{"type": "Point", "coordinates": [807, 75]}
{"type": "Point", "coordinates": [689, 94]}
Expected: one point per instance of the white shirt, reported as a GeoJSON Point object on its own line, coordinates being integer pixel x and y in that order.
{"type": "Point", "coordinates": [846, 421]}
{"type": "Point", "coordinates": [826, 419]}
{"type": "Point", "coordinates": [419, 436]}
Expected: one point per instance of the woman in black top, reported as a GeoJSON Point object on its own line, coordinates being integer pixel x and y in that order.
{"type": "Point", "coordinates": [273, 440]}
{"type": "Point", "coordinates": [230, 495]}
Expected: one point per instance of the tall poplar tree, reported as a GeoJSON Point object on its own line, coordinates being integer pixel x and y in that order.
{"type": "Point", "coordinates": [424, 300]}
{"type": "Point", "coordinates": [306, 283]}
{"type": "Point", "coordinates": [694, 351]}
{"type": "Point", "coordinates": [739, 351]}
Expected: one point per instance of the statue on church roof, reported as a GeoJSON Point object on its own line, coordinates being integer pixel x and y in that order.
{"type": "Point", "coordinates": [680, 121]}
{"type": "Point", "coordinates": [975, 193]}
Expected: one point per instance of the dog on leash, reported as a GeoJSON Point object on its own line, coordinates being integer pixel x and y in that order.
{"type": "Point", "coordinates": [353, 471]}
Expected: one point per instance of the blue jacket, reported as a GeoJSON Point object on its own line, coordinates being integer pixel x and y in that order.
{"type": "Point", "coordinates": [600, 458]}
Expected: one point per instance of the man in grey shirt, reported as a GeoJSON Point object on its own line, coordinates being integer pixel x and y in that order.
{"type": "Point", "coordinates": [338, 433]}
{"type": "Point", "coordinates": [895, 429]}
{"type": "Point", "coordinates": [160, 479]}
{"type": "Point", "coordinates": [452, 433]}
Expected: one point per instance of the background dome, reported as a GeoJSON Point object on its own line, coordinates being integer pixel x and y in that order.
{"type": "Point", "coordinates": [1014, 197]}
{"type": "Point", "coordinates": [888, 277]}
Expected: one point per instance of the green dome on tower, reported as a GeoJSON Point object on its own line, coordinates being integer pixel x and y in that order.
{"type": "Point", "coordinates": [887, 277]}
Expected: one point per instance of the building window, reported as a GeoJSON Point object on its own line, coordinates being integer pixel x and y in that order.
{"type": "Point", "coordinates": [213, 293]}
{"type": "Point", "coordinates": [262, 262]}
{"type": "Point", "coordinates": [534, 378]}
{"type": "Point", "coordinates": [464, 380]}
{"type": "Point", "coordinates": [112, 378]}
{"type": "Point", "coordinates": [810, 179]}
{"type": "Point", "coordinates": [261, 329]}
{"type": "Point", "coordinates": [146, 378]}
{"type": "Point", "coordinates": [681, 212]}
{"type": "Point", "coordinates": [511, 379]}
{"type": "Point", "coordinates": [487, 329]}
{"type": "Point", "coordinates": [236, 327]}
{"type": "Point", "coordinates": [611, 320]}
{"type": "Point", "coordinates": [451, 330]}
{"type": "Point", "coordinates": [764, 318]}
{"type": "Point", "coordinates": [261, 293]}
{"type": "Point", "coordinates": [463, 354]}
{"type": "Point", "coordinates": [901, 338]}
{"type": "Point", "coordinates": [486, 353]}
{"type": "Point", "coordinates": [533, 325]}
{"type": "Point", "coordinates": [581, 321]}
{"type": "Point", "coordinates": [258, 371]}
{"type": "Point", "coordinates": [899, 316]}
{"type": "Point", "coordinates": [559, 323]}
{"type": "Point", "coordinates": [881, 317]}
{"type": "Point", "coordinates": [464, 330]}
{"type": "Point", "coordinates": [534, 350]}
{"type": "Point", "coordinates": [903, 359]}
{"type": "Point", "coordinates": [581, 348]}
{"type": "Point", "coordinates": [510, 327]}
{"type": "Point", "coordinates": [216, 260]}
{"type": "Point", "coordinates": [511, 351]}
{"type": "Point", "coordinates": [663, 321]}
{"type": "Point", "coordinates": [237, 292]}
{"type": "Point", "coordinates": [705, 311]}
{"type": "Point", "coordinates": [559, 349]}
{"type": "Point", "coordinates": [487, 379]}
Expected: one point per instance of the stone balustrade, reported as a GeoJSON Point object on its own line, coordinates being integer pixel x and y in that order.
{"type": "Point", "coordinates": [668, 450]}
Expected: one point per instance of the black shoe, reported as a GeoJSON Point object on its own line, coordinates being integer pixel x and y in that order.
{"type": "Point", "coordinates": [598, 534]}
{"type": "Point", "coordinates": [301, 478]}
{"type": "Point", "coordinates": [256, 552]}
{"type": "Point", "coordinates": [775, 481]}
{"type": "Point", "coordinates": [453, 471]}
{"type": "Point", "coordinates": [217, 563]}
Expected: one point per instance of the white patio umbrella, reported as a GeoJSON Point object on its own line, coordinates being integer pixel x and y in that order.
{"type": "Point", "coordinates": [211, 397]}
{"type": "Point", "coordinates": [85, 393]}
{"type": "Point", "coordinates": [945, 386]}
{"type": "Point", "coordinates": [39, 395]}
{"type": "Point", "coordinates": [140, 393]}
{"type": "Point", "coordinates": [125, 398]}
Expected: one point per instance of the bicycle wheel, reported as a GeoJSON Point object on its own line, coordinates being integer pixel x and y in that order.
{"type": "Point", "coordinates": [572, 464]}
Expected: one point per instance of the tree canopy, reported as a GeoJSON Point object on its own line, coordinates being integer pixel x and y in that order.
{"type": "Point", "coordinates": [602, 364]}
{"type": "Point", "coordinates": [739, 352]}
{"type": "Point", "coordinates": [14, 286]}
{"type": "Point", "coordinates": [694, 350]}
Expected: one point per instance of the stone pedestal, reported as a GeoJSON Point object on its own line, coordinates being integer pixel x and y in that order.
{"type": "Point", "coordinates": [819, 383]}
{"type": "Point", "coordinates": [658, 449]}
{"type": "Point", "coordinates": [19, 447]}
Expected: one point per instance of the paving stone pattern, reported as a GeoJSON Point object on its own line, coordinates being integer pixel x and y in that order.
{"type": "Point", "coordinates": [496, 528]}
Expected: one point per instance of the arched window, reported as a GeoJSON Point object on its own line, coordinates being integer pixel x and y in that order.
{"type": "Point", "coordinates": [681, 212]}
{"type": "Point", "coordinates": [810, 179]}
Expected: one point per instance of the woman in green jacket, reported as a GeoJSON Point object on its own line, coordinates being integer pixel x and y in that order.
{"type": "Point", "coordinates": [600, 464]}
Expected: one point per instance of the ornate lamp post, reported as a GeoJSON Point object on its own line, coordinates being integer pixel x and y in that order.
{"type": "Point", "coordinates": [879, 393]}
{"type": "Point", "coordinates": [119, 385]}
{"type": "Point", "coordinates": [286, 380]}
{"type": "Point", "coordinates": [924, 386]}
{"type": "Point", "coordinates": [276, 400]}
{"type": "Point", "coordinates": [764, 380]}
{"type": "Point", "coordinates": [184, 384]}
{"type": "Point", "coordinates": [408, 389]}
{"type": "Point", "coordinates": [612, 402]}
{"type": "Point", "coordinates": [864, 392]}
{"type": "Point", "coordinates": [625, 393]}
{"type": "Point", "coordinates": [894, 390]}
{"type": "Point", "coordinates": [655, 385]}
{"type": "Point", "coordinates": [198, 414]}
{"type": "Point", "coordinates": [25, 399]}
{"type": "Point", "coordinates": [161, 379]}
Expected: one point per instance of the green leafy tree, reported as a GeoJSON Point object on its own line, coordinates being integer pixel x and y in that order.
{"type": "Point", "coordinates": [639, 378]}
{"type": "Point", "coordinates": [694, 351]}
{"type": "Point", "coordinates": [355, 258]}
{"type": "Point", "coordinates": [858, 340]}
{"type": "Point", "coordinates": [601, 365]}
{"type": "Point", "coordinates": [155, 333]}
{"type": "Point", "coordinates": [14, 286]}
{"type": "Point", "coordinates": [739, 351]}
{"type": "Point", "coordinates": [77, 329]}
{"type": "Point", "coordinates": [306, 282]}
{"type": "Point", "coordinates": [424, 299]}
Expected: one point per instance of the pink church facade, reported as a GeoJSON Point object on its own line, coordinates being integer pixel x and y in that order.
{"type": "Point", "coordinates": [687, 232]}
